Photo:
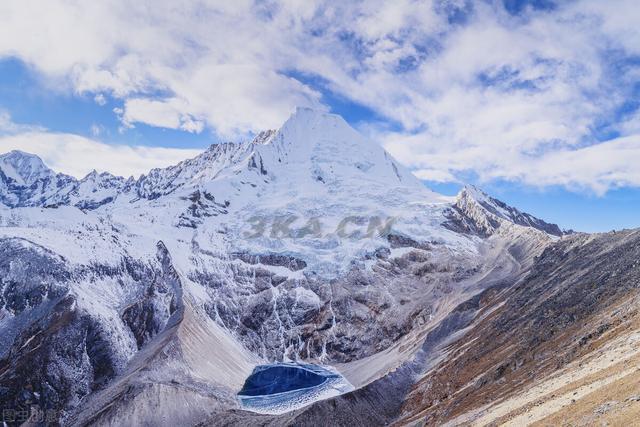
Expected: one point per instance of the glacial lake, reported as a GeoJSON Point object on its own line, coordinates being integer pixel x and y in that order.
{"type": "Point", "coordinates": [282, 387]}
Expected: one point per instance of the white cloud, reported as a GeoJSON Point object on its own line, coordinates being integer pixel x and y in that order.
{"type": "Point", "coordinates": [100, 99]}
{"type": "Point", "coordinates": [218, 62]}
{"type": "Point", "coordinates": [595, 168]}
{"type": "Point", "coordinates": [8, 126]}
{"type": "Point", "coordinates": [96, 130]}
{"type": "Point", "coordinates": [77, 156]}
{"type": "Point", "coordinates": [598, 167]}
{"type": "Point", "coordinates": [435, 175]}
{"type": "Point", "coordinates": [490, 94]}
{"type": "Point", "coordinates": [166, 113]}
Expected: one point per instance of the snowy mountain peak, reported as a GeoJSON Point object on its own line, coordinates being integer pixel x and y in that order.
{"type": "Point", "coordinates": [489, 212]}
{"type": "Point", "coordinates": [24, 168]}
{"type": "Point", "coordinates": [314, 152]}
{"type": "Point", "coordinates": [307, 128]}
{"type": "Point", "coordinates": [331, 151]}
{"type": "Point", "coordinates": [474, 192]}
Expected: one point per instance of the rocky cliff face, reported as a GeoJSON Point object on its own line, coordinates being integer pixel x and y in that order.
{"type": "Point", "coordinates": [151, 300]}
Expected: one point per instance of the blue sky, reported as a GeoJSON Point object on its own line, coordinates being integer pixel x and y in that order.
{"type": "Point", "coordinates": [537, 102]}
{"type": "Point", "coordinates": [29, 100]}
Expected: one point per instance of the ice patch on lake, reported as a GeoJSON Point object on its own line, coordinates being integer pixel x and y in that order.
{"type": "Point", "coordinates": [282, 387]}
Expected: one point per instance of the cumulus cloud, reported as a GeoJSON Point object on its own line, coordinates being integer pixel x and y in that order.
{"type": "Point", "coordinates": [468, 86]}
{"type": "Point", "coordinates": [162, 113]}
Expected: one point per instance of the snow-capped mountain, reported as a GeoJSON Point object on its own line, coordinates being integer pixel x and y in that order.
{"type": "Point", "coordinates": [307, 243]}
{"type": "Point", "coordinates": [24, 169]}
{"type": "Point", "coordinates": [26, 181]}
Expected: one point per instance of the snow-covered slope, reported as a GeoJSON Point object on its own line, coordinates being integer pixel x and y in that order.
{"type": "Point", "coordinates": [306, 243]}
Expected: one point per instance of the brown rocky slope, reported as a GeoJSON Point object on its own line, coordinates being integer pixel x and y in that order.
{"type": "Point", "coordinates": [575, 308]}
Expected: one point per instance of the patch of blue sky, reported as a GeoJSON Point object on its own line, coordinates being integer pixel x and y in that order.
{"type": "Point", "coordinates": [516, 7]}
{"type": "Point", "coordinates": [24, 96]}
{"type": "Point", "coordinates": [457, 13]}
{"type": "Point", "coordinates": [424, 49]}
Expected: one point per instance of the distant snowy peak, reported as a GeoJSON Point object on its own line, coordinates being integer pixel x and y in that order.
{"type": "Point", "coordinates": [475, 211]}
{"type": "Point", "coordinates": [23, 168]}
{"type": "Point", "coordinates": [205, 167]}
{"type": "Point", "coordinates": [26, 181]}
